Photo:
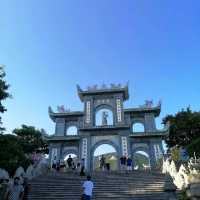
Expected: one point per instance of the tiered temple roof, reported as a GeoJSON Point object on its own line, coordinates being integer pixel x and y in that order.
{"type": "Point", "coordinates": [113, 88]}
{"type": "Point", "coordinates": [148, 107]}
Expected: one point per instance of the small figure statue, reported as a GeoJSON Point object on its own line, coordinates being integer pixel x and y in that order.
{"type": "Point", "coordinates": [112, 85]}
{"type": "Point", "coordinates": [104, 118]}
{"type": "Point", "coordinates": [61, 109]}
{"type": "Point", "coordinates": [148, 103]}
{"type": "Point", "coordinates": [103, 86]}
{"type": "Point", "coordinates": [89, 88]}
{"type": "Point", "coordinates": [159, 103]}
{"type": "Point", "coordinates": [119, 85]}
{"type": "Point", "coordinates": [95, 87]}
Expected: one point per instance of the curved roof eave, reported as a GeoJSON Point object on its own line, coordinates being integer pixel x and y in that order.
{"type": "Point", "coordinates": [54, 115]}
{"type": "Point", "coordinates": [155, 110]}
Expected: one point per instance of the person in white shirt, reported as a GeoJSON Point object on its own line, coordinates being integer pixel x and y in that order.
{"type": "Point", "coordinates": [87, 189]}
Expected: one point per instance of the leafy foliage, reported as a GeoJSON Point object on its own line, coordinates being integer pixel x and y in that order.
{"type": "Point", "coordinates": [175, 153]}
{"type": "Point", "coordinates": [194, 146]}
{"type": "Point", "coordinates": [15, 149]}
{"type": "Point", "coordinates": [30, 139]}
{"type": "Point", "coordinates": [11, 153]}
{"type": "Point", "coordinates": [184, 127]}
{"type": "Point", "coordinates": [183, 195]}
{"type": "Point", "coordinates": [3, 93]}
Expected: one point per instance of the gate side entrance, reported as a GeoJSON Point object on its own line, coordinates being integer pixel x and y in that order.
{"type": "Point", "coordinates": [105, 153]}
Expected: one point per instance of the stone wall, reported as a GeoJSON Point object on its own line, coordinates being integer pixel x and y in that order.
{"type": "Point", "coordinates": [185, 175]}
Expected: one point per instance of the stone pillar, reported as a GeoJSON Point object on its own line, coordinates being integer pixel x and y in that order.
{"type": "Point", "coordinates": [84, 151]}
{"type": "Point", "coordinates": [152, 155]}
{"type": "Point", "coordinates": [124, 146]}
{"type": "Point", "coordinates": [118, 110]}
{"type": "Point", "coordinates": [158, 150]}
{"type": "Point", "coordinates": [89, 112]}
{"type": "Point", "coordinates": [161, 148]}
{"type": "Point", "coordinates": [54, 151]}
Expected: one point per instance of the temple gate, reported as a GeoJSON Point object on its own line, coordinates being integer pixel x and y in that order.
{"type": "Point", "coordinates": [106, 121]}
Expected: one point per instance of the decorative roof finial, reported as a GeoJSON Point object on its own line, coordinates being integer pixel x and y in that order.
{"type": "Point", "coordinates": [112, 85]}
{"type": "Point", "coordinates": [103, 86]}
{"type": "Point", "coordinates": [95, 87]}
{"type": "Point", "coordinates": [89, 88]}
{"type": "Point", "coordinates": [119, 85]}
{"type": "Point", "coordinates": [61, 109]}
{"type": "Point", "coordinates": [127, 84]}
{"type": "Point", "coordinates": [50, 109]}
{"type": "Point", "coordinates": [148, 103]}
{"type": "Point", "coordinates": [159, 103]}
{"type": "Point", "coordinates": [78, 88]}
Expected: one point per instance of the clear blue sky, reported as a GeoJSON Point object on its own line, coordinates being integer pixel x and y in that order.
{"type": "Point", "coordinates": [50, 46]}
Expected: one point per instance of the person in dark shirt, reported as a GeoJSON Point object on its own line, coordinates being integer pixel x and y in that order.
{"type": "Point", "coordinates": [69, 161]}
{"type": "Point", "coordinates": [58, 166]}
{"type": "Point", "coordinates": [107, 167]}
{"type": "Point", "coordinates": [129, 164]}
{"type": "Point", "coordinates": [73, 165]}
{"type": "Point", "coordinates": [123, 162]}
{"type": "Point", "coordinates": [82, 172]}
{"type": "Point", "coordinates": [102, 163]}
{"type": "Point", "coordinates": [54, 163]}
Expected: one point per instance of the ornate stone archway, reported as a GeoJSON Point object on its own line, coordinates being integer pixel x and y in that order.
{"type": "Point", "coordinates": [142, 147]}
{"type": "Point", "coordinates": [68, 151]}
{"type": "Point", "coordinates": [102, 142]}
{"type": "Point", "coordinates": [119, 134]}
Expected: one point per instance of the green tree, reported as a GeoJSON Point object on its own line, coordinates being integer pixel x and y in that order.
{"type": "Point", "coordinates": [11, 153]}
{"type": "Point", "coordinates": [3, 93]}
{"type": "Point", "coordinates": [15, 149]}
{"type": "Point", "coordinates": [184, 128]}
{"type": "Point", "coordinates": [31, 140]}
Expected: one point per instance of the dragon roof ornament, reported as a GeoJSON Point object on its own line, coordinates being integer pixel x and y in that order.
{"type": "Point", "coordinates": [150, 104]}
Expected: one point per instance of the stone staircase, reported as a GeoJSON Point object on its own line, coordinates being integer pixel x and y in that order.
{"type": "Point", "coordinates": [135, 185]}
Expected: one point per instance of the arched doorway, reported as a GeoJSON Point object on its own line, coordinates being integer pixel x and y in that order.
{"type": "Point", "coordinates": [138, 128]}
{"type": "Point", "coordinates": [109, 153]}
{"type": "Point", "coordinates": [141, 160]}
{"type": "Point", "coordinates": [72, 130]}
{"type": "Point", "coordinates": [73, 156]}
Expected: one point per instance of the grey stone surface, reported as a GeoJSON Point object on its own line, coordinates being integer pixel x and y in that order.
{"type": "Point", "coordinates": [91, 136]}
{"type": "Point", "coordinates": [29, 172]}
{"type": "Point", "coordinates": [4, 174]}
{"type": "Point", "coordinates": [19, 172]}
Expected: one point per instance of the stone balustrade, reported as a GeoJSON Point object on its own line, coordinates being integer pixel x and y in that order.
{"type": "Point", "coordinates": [31, 172]}
{"type": "Point", "coordinates": [25, 176]}
{"type": "Point", "coordinates": [185, 175]}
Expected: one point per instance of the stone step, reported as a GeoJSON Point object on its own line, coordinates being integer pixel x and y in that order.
{"type": "Point", "coordinates": [112, 186]}
{"type": "Point", "coordinates": [160, 196]}
{"type": "Point", "coordinates": [107, 183]}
